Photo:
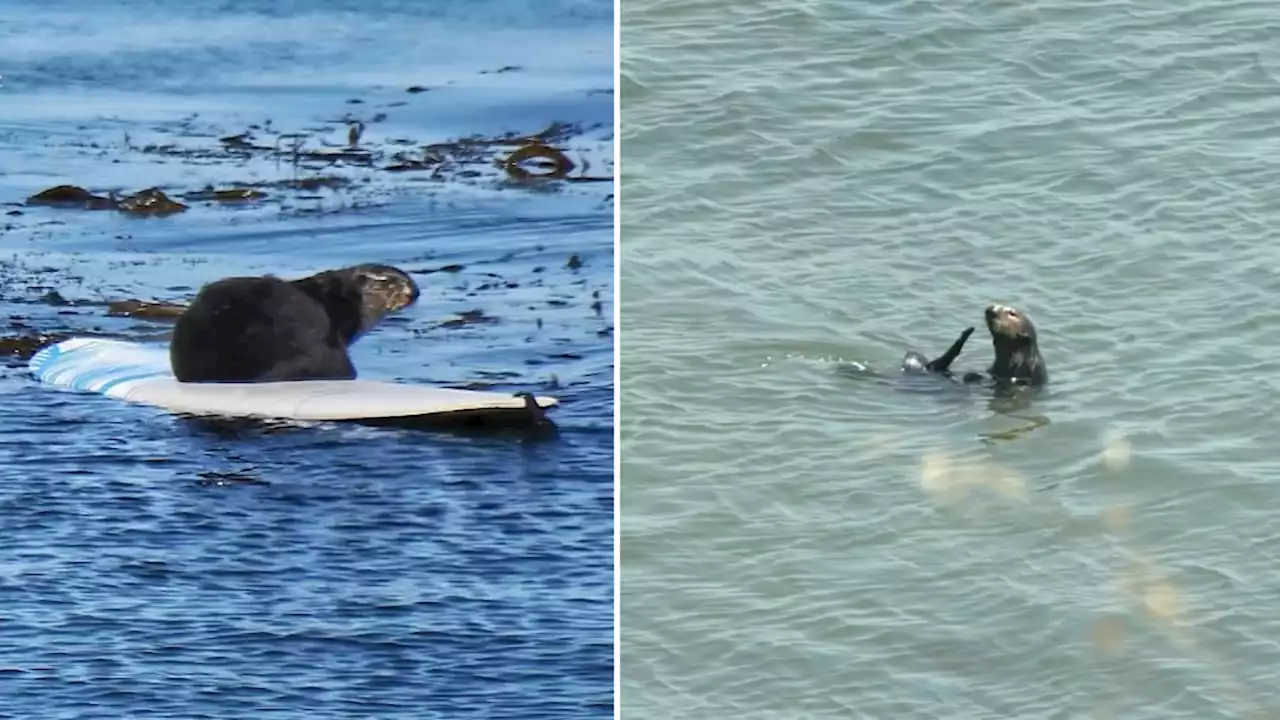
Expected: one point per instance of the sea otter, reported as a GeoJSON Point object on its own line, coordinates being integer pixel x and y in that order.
{"type": "Point", "coordinates": [1018, 358]}
{"type": "Point", "coordinates": [265, 329]}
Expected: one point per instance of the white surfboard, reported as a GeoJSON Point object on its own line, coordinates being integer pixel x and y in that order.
{"type": "Point", "coordinates": [141, 374]}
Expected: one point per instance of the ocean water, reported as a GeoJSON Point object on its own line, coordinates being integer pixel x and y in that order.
{"type": "Point", "coordinates": [161, 567]}
{"type": "Point", "coordinates": [813, 188]}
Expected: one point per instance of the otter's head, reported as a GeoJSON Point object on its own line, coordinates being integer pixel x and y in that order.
{"type": "Point", "coordinates": [1017, 352]}
{"type": "Point", "coordinates": [383, 290]}
{"type": "Point", "coordinates": [359, 297]}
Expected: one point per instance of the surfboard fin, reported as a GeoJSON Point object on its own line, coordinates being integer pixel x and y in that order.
{"type": "Point", "coordinates": [943, 362]}
{"type": "Point", "coordinates": [537, 415]}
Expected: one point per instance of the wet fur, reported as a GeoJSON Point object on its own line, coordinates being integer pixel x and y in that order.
{"type": "Point", "coordinates": [265, 329]}
{"type": "Point", "coordinates": [915, 362]}
{"type": "Point", "coordinates": [1017, 349]}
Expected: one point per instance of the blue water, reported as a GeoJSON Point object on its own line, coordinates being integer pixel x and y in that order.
{"type": "Point", "coordinates": [856, 179]}
{"type": "Point", "coordinates": [155, 566]}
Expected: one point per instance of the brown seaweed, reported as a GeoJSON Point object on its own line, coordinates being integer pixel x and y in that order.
{"type": "Point", "coordinates": [145, 309]}
{"type": "Point", "coordinates": [234, 194]}
{"type": "Point", "coordinates": [468, 318]}
{"type": "Point", "coordinates": [22, 347]}
{"type": "Point", "coordinates": [151, 201]}
{"type": "Point", "coordinates": [514, 164]}
{"type": "Point", "coordinates": [71, 196]}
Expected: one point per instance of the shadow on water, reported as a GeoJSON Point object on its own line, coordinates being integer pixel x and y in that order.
{"type": "Point", "coordinates": [1013, 402]}
{"type": "Point", "coordinates": [475, 424]}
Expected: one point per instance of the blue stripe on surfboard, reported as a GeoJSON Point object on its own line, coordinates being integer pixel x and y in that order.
{"type": "Point", "coordinates": [98, 379]}
{"type": "Point", "coordinates": [110, 385]}
{"type": "Point", "coordinates": [71, 364]}
{"type": "Point", "coordinates": [43, 359]}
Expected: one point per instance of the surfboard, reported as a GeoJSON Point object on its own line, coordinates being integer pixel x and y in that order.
{"type": "Point", "coordinates": [140, 373]}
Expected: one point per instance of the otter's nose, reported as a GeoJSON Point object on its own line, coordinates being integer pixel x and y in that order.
{"type": "Point", "coordinates": [992, 309]}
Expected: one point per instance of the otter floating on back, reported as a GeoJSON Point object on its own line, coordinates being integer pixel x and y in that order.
{"type": "Point", "coordinates": [1013, 335]}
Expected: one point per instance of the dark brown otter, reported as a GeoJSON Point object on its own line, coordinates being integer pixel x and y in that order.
{"type": "Point", "coordinates": [265, 329]}
{"type": "Point", "coordinates": [1018, 358]}
{"type": "Point", "coordinates": [377, 290]}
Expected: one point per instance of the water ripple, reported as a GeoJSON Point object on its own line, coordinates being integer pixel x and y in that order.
{"type": "Point", "coordinates": [160, 567]}
{"type": "Point", "coordinates": [814, 185]}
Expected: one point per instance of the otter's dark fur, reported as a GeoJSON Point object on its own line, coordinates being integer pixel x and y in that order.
{"type": "Point", "coordinates": [1018, 356]}
{"type": "Point", "coordinates": [265, 329]}
{"type": "Point", "coordinates": [916, 363]}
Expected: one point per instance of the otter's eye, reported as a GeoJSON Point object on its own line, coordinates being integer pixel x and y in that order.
{"type": "Point", "coordinates": [1013, 313]}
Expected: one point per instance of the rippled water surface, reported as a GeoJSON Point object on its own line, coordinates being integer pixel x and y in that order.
{"type": "Point", "coordinates": [812, 187]}
{"type": "Point", "coordinates": [159, 567]}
